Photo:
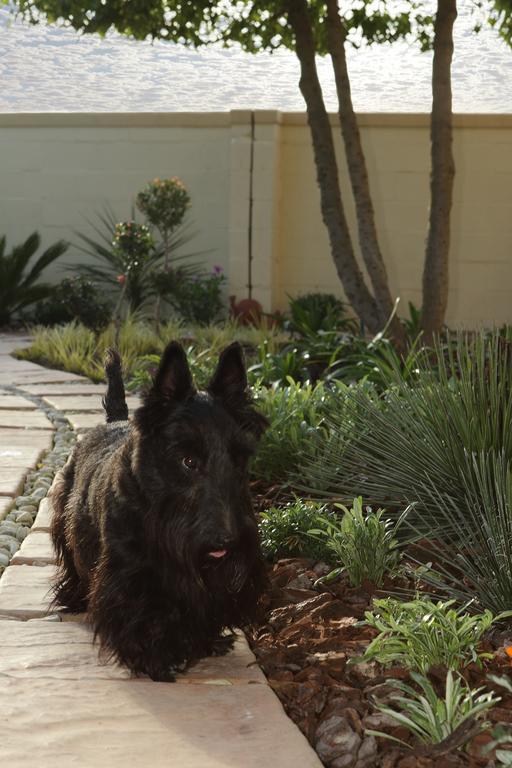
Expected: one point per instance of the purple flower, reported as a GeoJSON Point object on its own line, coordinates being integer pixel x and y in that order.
{"type": "Point", "coordinates": [217, 270]}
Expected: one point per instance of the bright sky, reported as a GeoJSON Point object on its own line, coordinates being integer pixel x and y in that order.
{"type": "Point", "coordinates": [44, 69]}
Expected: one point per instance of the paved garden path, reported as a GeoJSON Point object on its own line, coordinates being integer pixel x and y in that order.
{"type": "Point", "coordinates": [59, 706]}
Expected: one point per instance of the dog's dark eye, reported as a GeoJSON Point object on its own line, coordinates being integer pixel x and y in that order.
{"type": "Point", "coordinates": [190, 463]}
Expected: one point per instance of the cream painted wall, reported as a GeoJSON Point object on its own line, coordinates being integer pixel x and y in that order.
{"type": "Point", "coordinates": [58, 170]}
{"type": "Point", "coordinates": [398, 155]}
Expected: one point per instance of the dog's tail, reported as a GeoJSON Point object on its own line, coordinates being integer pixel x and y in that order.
{"type": "Point", "coordinates": [114, 401]}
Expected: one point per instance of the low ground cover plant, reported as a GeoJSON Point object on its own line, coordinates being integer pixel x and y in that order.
{"type": "Point", "coordinates": [284, 530]}
{"type": "Point", "coordinates": [432, 719]}
{"type": "Point", "coordinates": [421, 634]}
{"type": "Point", "coordinates": [74, 299]}
{"type": "Point", "coordinates": [364, 542]}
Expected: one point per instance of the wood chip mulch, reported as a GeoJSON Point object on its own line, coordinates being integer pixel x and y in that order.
{"type": "Point", "coordinates": [304, 644]}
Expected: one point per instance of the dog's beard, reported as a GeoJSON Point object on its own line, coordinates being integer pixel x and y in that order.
{"type": "Point", "coordinates": [180, 547]}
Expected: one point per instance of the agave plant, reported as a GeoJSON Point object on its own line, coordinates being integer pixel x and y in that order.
{"type": "Point", "coordinates": [18, 283]}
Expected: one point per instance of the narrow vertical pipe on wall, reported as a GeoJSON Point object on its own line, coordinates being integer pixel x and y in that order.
{"type": "Point", "coordinates": [249, 233]}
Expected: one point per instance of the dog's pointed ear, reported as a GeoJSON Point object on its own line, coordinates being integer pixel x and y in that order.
{"type": "Point", "coordinates": [229, 381]}
{"type": "Point", "coordinates": [173, 380]}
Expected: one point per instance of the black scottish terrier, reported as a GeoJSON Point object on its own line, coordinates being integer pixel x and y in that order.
{"type": "Point", "coordinates": [154, 529]}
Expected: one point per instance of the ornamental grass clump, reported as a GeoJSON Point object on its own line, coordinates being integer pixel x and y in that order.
{"type": "Point", "coordinates": [422, 634]}
{"type": "Point", "coordinates": [458, 716]}
{"type": "Point", "coordinates": [364, 543]}
{"type": "Point", "coordinates": [445, 443]}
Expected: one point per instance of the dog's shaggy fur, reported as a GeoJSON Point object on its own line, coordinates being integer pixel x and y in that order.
{"type": "Point", "coordinates": [154, 528]}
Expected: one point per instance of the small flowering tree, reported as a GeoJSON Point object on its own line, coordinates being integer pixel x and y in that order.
{"type": "Point", "coordinates": [134, 245]}
{"type": "Point", "coordinates": [164, 203]}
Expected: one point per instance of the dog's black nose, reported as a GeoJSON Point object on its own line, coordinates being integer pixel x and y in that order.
{"type": "Point", "coordinates": [224, 542]}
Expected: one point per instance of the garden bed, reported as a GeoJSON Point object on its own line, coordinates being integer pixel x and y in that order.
{"type": "Point", "coordinates": [304, 644]}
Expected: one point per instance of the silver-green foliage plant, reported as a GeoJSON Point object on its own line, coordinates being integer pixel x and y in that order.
{"type": "Point", "coordinates": [422, 634]}
{"type": "Point", "coordinates": [444, 442]}
{"type": "Point", "coordinates": [432, 719]}
{"type": "Point", "coordinates": [364, 543]}
{"type": "Point", "coordinates": [284, 530]}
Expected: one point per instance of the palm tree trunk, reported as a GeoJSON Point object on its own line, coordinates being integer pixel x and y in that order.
{"type": "Point", "coordinates": [368, 240]}
{"type": "Point", "coordinates": [333, 215]}
{"type": "Point", "coordinates": [436, 267]}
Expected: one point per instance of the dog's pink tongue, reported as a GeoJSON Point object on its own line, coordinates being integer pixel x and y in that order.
{"type": "Point", "coordinates": [218, 553]}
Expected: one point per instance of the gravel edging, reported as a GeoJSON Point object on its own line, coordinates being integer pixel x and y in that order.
{"type": "Point", "coordinates": [16, 524]}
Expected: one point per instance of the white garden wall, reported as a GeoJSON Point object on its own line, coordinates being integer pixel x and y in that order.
{"type": "Point", "coordinates": [59, 170]}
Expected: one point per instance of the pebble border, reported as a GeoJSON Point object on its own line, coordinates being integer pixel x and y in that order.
{"type": "Point", "coordinates": [16, 524]}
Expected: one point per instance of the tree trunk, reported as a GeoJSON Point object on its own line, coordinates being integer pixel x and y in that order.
{"type": "Point", "coordinates": [368, 240]}
{"type": "Point", "coordinates": [327, 171]}
{"type": "Point", "coordinates": [435, 270]}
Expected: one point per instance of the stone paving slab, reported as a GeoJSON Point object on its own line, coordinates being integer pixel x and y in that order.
{"type": "Point", "coordinates": [36, 549]}
{"type": "Point", "coordinates": [15, 402]}
{"type": "Point", "coordinates": [12, 479]}
{"type": "Point", "coordinates": [44, 516]}
{"type": "Point", "coordinates": [68, 388]}
{"type": "Point", "coordinates": [22, 448]}
{"type": "Point", "coordinates": [24, 420]}
{"type": "Point", "coordinates": [40, 376]}
{"type": "Point", "coordinates": [64, 650]}
{"type": "Point", "coordinates": [25, 591]}
{"type": "Point", "coordinates": [5, 503]}
{"type": "Point", "coordinates": [84, 403]}
{"type": "Point", "coordinates": [119, 722]}
{"type": "Point", "coordinates": [81, 421]}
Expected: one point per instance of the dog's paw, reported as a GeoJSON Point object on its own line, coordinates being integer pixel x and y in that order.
{"type": "Point", "coordinates": [163, 675]}
{"type": "Point", "coordinates": [223, 645]}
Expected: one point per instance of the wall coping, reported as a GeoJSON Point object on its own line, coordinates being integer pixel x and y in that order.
{"type": "Point", "coordinates": [234, 117]}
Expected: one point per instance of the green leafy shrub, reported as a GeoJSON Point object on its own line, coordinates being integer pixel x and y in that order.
{"type": "Point", "coordinates": [164, 203]}
{"type": "Point", "coordinates": [421, 634]}
{"type": "Point", "coordinates": [202, 365]}
{"type": "Point", "coordinates": [278, 366]}
{"type": "Point", "coordinates": [314, 312]}
{"type": "Point", "coordinates": [74, 298]}
{"type": "Point", "coordinates": [284, 531]}
{"type": "Point", "coordinates": [198, 299]}
{"type": "Point", "coordinates": [363, 542]}
{"type": "Point", "coordinates": [295, 413]}
{"type": "Point", "coordinates": [18, 283]}
{"type": "Point", "coordinates": [432, 719]}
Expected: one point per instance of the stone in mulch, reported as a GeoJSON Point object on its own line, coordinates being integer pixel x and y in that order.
{"type": "Point", "coordinates": [36, 549]}
{"type": "Point", "coordinates": [104, 722]}
{"type": "Point", "coordinates": [25, 591]}
{"type": "Point", "coordinates": [24, 420]}
{"type": "Point", "coordinates": [84, 403]}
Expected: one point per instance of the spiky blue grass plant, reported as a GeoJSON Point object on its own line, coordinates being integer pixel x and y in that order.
{"type": "Point", "coordinates": [444, 443]}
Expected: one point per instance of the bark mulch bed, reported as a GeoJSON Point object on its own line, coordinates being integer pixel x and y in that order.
{"type": "Point", "coordinates": [303, 646]}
